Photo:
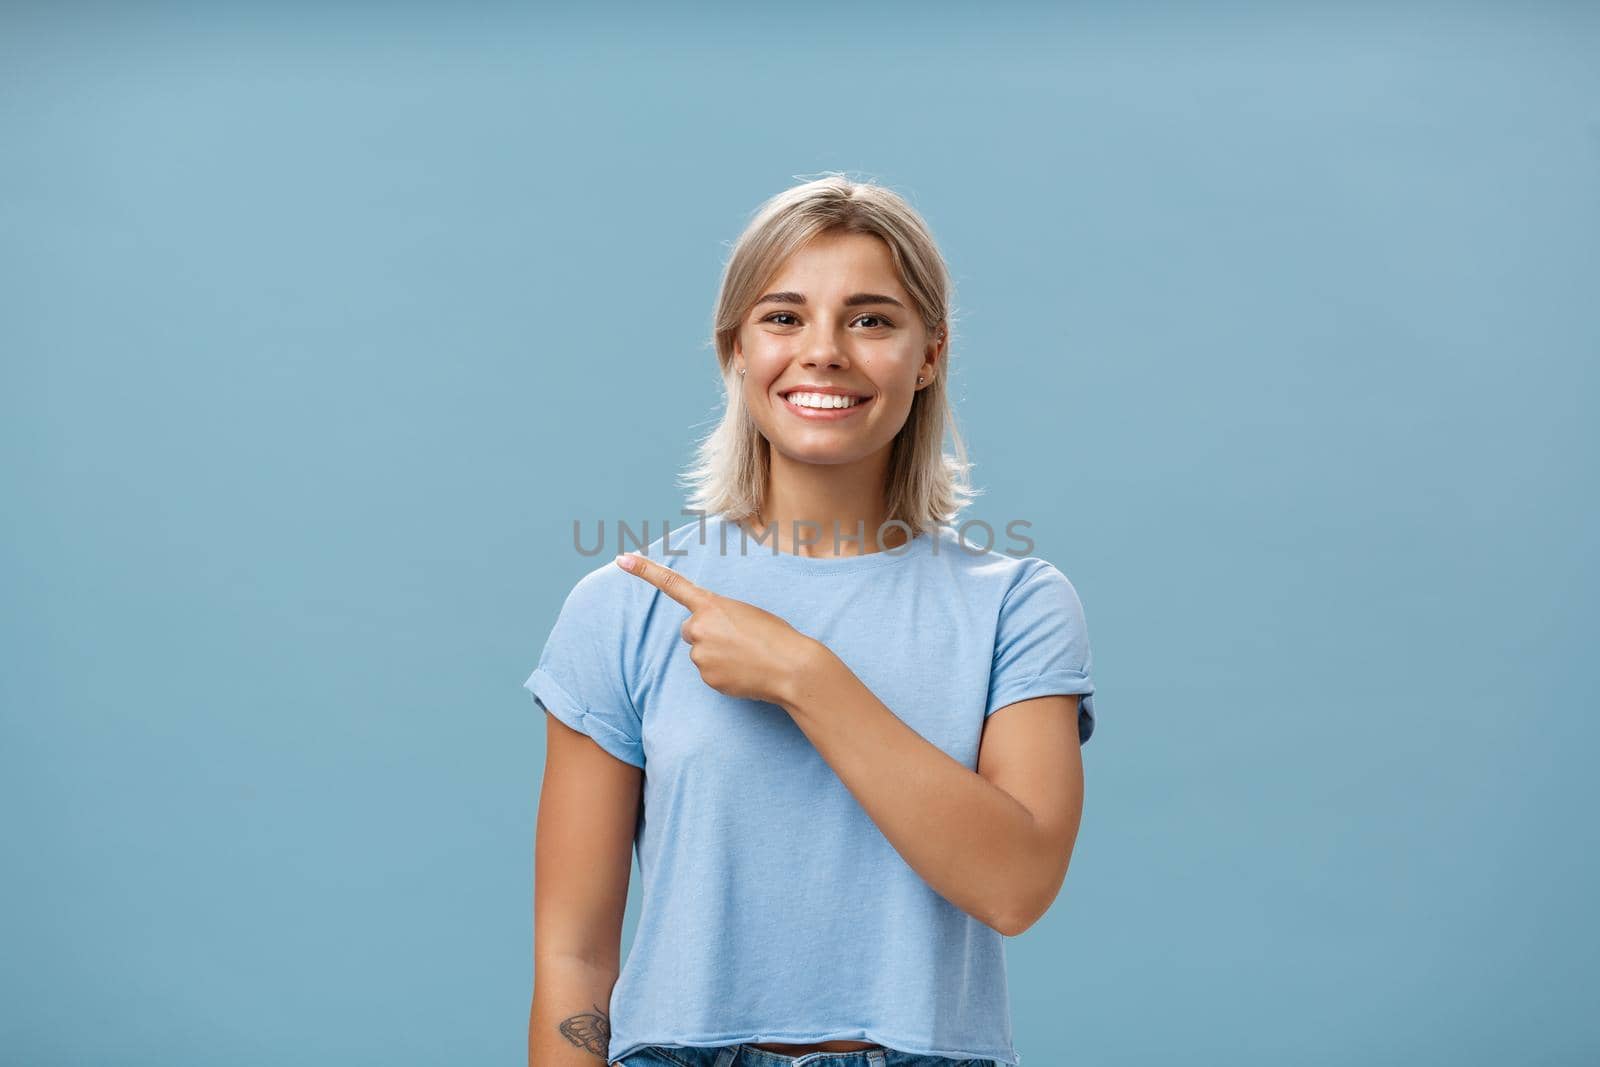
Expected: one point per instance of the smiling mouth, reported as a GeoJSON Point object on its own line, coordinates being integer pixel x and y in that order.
{"type": "Point", "coordinates": [823, 403]}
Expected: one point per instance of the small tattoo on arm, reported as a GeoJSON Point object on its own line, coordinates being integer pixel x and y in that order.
{"type": "Point", "coordinates": [590, 1031]}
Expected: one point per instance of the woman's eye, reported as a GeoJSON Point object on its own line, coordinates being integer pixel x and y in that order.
{"type": "Point", "coordinates": [789, 314]}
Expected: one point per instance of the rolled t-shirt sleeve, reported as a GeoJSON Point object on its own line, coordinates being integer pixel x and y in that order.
{"type": "Point", "coordinates": [581, 675]}
{"type": "Point", "coordinates": [1042, 646]}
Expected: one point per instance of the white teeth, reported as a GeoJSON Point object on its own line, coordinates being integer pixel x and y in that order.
{"type": "Point", "coordinates": [823, 400]}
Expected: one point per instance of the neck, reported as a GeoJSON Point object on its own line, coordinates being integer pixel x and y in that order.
{"type": "Point", "coordinates": [822, 510]}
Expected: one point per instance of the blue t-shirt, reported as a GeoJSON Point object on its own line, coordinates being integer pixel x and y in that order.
{"type": "Point", "coordinates": [774, 909]}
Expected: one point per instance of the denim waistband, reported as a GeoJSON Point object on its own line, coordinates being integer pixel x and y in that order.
{"type": "Point", "coordinates": [750, 1056]}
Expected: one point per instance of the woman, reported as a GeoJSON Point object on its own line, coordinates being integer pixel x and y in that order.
{"type": "Point", "coordinates": [788, 704]}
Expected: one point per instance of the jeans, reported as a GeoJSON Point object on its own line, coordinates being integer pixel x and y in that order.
{"type": "Point", "coordinates": [747, 1056]}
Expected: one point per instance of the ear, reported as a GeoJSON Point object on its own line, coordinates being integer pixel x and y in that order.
{"type": "Point", "coordinates": [936, 346]}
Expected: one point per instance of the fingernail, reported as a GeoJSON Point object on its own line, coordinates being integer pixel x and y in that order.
{"type": "Point", "coordinates": [625, 562]}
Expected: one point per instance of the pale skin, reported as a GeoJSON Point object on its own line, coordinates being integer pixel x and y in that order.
{"type": "Point", "coordinates": [996, 841]}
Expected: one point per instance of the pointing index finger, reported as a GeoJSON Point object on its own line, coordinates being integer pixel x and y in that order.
{"type": "Point", "coordinates": [665, 579]}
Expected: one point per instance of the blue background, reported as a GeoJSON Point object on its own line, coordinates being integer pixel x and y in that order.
{"type": "Point", "coordinates": [321, 325]}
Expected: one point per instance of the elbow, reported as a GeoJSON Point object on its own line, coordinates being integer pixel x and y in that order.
{"type": "Point", "coordinates": [1026, 901]}
{"type": "Point", "coordinates": [1004, 927]}
{"type": "Point", "coordinates": [1015, 914]}
{"type": "Point", "coordinates": [1015, 922]}
{"type": "Point", "coordinates": [1026, 898]}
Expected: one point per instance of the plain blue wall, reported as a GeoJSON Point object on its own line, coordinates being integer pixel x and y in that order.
{"type": "Point", "coordinates": [321, 325]}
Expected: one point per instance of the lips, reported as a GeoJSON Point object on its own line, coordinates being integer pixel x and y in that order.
{"type": "Point", "coordinates": [825, 414]}
{"type": "Point", "coordinates": [826, 391]}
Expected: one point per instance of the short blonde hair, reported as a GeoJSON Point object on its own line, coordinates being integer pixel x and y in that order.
{"type": "Point", "coordinates": [925, 487]}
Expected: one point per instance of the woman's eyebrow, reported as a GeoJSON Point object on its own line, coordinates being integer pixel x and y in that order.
{"type": "Point", "coordinates": [855, 300]}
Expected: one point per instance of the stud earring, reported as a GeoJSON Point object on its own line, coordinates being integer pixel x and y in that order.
{"type": "Point", "coordinates": [741, 372]}
{"type": "Point", "coordinates": [919, 379]}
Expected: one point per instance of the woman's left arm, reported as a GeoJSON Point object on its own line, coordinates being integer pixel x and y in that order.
{"type": "Point", "coordinates": [995, 842]}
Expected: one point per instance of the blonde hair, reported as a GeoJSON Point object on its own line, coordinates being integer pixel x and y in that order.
{"type": "Point", "coordinates": [925, 486]}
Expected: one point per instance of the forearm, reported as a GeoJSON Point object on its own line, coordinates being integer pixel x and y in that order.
{"type": "Point", "coordinates": [569, 1024]}
{"type": "Point", "coordinates": [971, 841]}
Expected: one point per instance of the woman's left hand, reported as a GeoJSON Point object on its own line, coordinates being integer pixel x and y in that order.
{"type": "Point", "coordinates": [739, 649]}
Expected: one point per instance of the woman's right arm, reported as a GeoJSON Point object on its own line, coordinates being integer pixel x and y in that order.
{"type": "Point", "coordinates": [588, 810]}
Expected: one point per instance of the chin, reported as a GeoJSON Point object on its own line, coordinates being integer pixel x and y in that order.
{"type": "Point", "coordinates": [818, 457]}
{"type": "Point", "coordinates": [824, 456]}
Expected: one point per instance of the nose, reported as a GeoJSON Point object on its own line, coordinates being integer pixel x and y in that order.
{"type": "Point", "coordinates": [825, 352]}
